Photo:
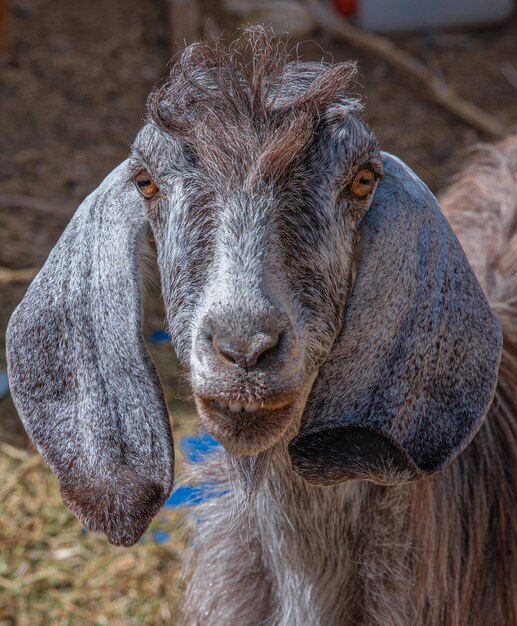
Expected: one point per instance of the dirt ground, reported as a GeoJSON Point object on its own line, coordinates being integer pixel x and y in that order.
{"type": "Point", "coordinates": [73, 95]}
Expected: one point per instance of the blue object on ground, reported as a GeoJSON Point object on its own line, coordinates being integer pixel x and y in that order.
{"type": "Point", "coordinates": [160, 536]}
{"type": "Point", "coordinates": [159, 336]}
{"type": "Point", "coordinates": [4, 384]}
{"type": "Point", "coordinates": [196, 448]}
{"type": "Point", "coordinates": [191, 495]}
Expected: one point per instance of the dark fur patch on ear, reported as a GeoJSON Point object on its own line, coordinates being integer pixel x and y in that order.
{"type": "Point", "coordinates": [122, 508]}
{"type": "Point", "coordinates": [343, 453]}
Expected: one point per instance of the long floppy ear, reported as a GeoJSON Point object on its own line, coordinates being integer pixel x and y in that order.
{"type": "Point", "coordinates": [80, 375]}
{"type": "Point", "coordinates": [413, 371]}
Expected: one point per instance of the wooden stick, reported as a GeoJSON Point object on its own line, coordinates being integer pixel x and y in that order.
{"type": "Point", "coordinates": [11, 277]}
{"type": "Point", "coordinates": [468, 112]}
{"type": "Point", "coordinates": [14, 453]}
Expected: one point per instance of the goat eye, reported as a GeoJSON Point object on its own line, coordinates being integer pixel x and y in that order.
{"type": "Point", "coordinates": [146, 184]}
{"type": "Point", "coordinates": [363, 183]}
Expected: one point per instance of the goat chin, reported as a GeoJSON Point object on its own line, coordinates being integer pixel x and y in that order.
{"type": "Point", "coordinates": [442, 550]}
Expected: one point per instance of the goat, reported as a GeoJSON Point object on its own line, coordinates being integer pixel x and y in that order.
{"type": "Point", "coordinates": [337, 341]}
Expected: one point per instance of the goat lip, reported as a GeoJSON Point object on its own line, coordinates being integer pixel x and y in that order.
{"type": "Point", "coordinates": [236, 407]}
{"type": "Point", "coordinates": [244, 432]}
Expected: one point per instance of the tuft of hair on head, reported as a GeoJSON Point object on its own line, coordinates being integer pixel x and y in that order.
{"type": "Point", "coordinates": [245, 108]}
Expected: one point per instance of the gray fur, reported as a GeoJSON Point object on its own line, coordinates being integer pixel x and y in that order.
{"type": "Point", "coordinates": [257, 231]}
{"type": "Point", "coordinates": [412, 375]}
{"type": "Point", "coordinates": [80, 374]}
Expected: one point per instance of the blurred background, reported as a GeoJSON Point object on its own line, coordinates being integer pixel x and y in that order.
{"type": "Point", "coordinates": [437, 77]}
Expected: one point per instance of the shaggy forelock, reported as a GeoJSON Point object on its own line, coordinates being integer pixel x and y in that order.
{"type": "Point", "coordinates": [246, 103]}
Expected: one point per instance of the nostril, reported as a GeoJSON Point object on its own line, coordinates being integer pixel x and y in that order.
{"type": "Point", "coordinates": [245, 354]}
{"type": "Point", "coordinates": [228, 350]}
{"type": "Point", "coordinates": [262, 345]}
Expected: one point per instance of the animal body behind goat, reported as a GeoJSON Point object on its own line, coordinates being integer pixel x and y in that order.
{"type": "Point", "coordinates": [337, 342]}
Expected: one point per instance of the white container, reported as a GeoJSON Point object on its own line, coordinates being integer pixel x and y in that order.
{"type": "Point", "coordinates": [387, 16]}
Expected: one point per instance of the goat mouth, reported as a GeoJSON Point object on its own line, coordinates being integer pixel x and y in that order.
{"type": "Point", "coordinates": [245, 428]}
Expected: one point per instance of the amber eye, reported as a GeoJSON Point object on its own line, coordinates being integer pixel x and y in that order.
{"type": "Point", "coordinates": [363, 183]}
{"type": "Point", "coordinates": [146, 185]}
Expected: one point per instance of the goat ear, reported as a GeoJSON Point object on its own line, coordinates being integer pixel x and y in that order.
{"type": "Point", "coordinates": [80, 375]}
{"type": "Point", "coordinates": [413, 371]}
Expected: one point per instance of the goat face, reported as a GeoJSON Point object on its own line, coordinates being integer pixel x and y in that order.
{"type": "Point", "coordinates": [263, 190]}
{"type": "Point", "coordinates": [255, 272]}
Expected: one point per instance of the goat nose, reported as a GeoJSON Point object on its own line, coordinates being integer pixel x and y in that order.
{"type": "Point", "coordinates": [244, 353]}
